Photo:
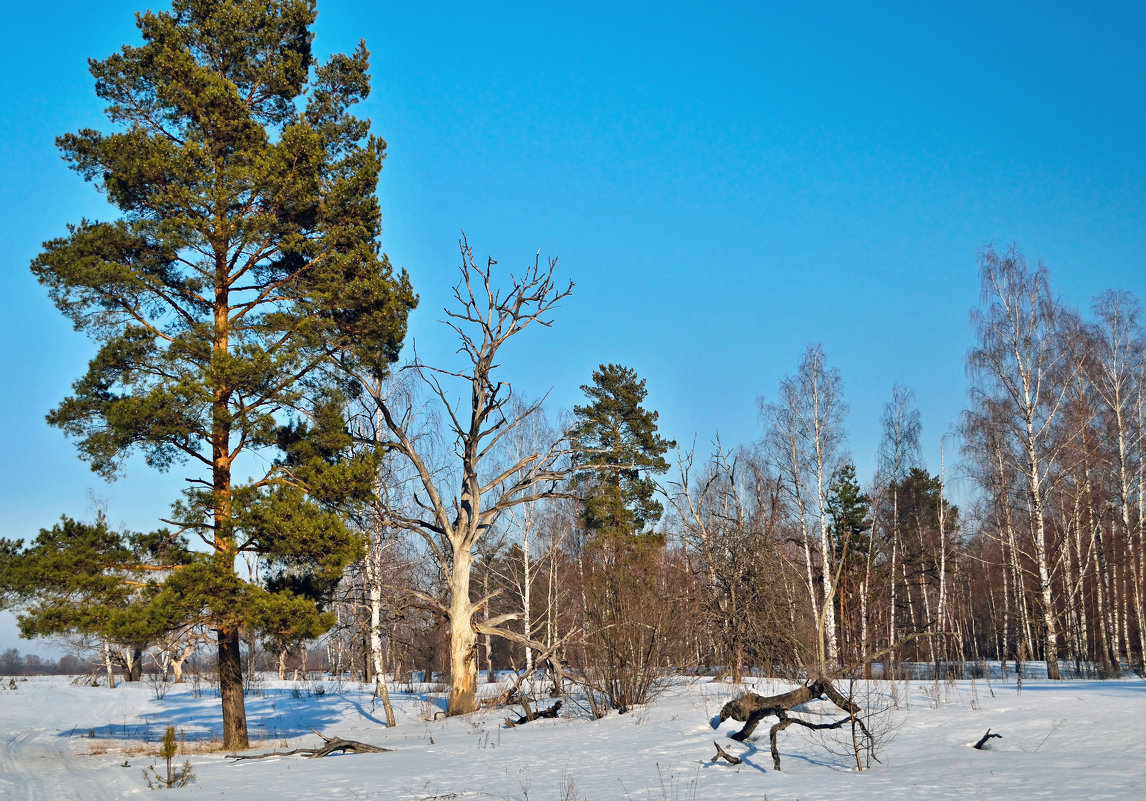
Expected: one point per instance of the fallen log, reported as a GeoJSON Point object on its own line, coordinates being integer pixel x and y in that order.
{"type": "Point", "coordinates": [751, 709]}
{"type": "Point", "coordinates": [530, 715]}
{"type": "Point", "coordinates": [330, 746]}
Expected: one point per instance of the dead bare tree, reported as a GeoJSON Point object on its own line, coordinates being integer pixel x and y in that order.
{"type": "Point", "coordinates": [486, 316]}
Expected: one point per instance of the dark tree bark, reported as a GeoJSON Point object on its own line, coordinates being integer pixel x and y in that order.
{"type": "Point", "coordinates": [530, 715]}
{"type": "Point", "coordinates": [722, 754]}
{"type": "Point", "coordinates": [231, 689]}
{"type": "Point", "coordinates": [986, 738]}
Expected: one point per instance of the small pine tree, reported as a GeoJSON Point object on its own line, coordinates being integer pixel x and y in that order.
{"type": "Point", "coordinates": [167, 751]}
{"type": "Point", "coordinates": [627, 613]}
{"type": "Point", "coordinates": [175, 778]}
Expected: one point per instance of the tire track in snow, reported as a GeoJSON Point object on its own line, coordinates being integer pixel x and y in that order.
{"type": "Point", "coordinates": [39, 765]}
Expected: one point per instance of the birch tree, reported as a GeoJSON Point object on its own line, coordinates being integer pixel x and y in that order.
{"type": "Point", "coordinates": [1017, 360]}
{"type": "Point", "coordinates": [805, 443]}
{"type": "Point", "coordinates": [898, 454]}
{"type": "Point", "coordinates": [1120, 363]}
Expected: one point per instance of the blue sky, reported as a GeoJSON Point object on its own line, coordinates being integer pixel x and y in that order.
{"type": "Point", "coordinates": [724, 182]}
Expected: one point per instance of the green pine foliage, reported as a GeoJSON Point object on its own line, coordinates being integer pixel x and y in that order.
{"type": "Point", "coordinates": [243, 260]}
{"type": "Point", "coordinates": [629, 606]}
{"type": "Point", "coordinates": [616, 449]}
{"type": "Point", "coordinates": [850, 511]}
{"type": "Point", "coordinates": [920, 495]}
{"type": "Point", "coordinates": [85, 578]}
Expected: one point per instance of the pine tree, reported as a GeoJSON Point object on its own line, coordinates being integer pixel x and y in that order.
{"type": "Point", "coordinates": [245, 254]}
{"type": "Point", "coordinates": [849, 508]}
{"type": "Point", "coordinates": [627, 612]}
{"type": "Point", "coordinates": [616, 447]}
{"type": "Point", "coordinates": [85, 578]}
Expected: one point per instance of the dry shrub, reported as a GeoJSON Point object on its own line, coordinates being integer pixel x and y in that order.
{"type": "Point", "coordinates": [637, 621]}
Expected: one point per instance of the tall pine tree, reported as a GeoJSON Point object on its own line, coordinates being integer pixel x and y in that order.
{"type": "Point", "coordinates": [616, 448]}
{"type": "Point", "coordinates": [616, 452]}
{"type": "Point", "coordinates": [245, 253]}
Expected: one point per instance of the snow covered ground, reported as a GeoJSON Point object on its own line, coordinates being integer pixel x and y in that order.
{"type": "Point", "coordinates": [1061, 740]}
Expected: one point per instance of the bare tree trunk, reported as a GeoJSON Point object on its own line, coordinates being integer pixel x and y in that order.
{"type": "Point", "coordinates": [527, 599]}
{"type": "Point", "coordinates": [1042, 560]}
{"type": "Point", "coordinates": [892, 638]}
{"type": "Point", "coordinates": [942, 604]}
{"type": "Point", "coordinates": [179, 656]}
{"type": "Point", "coordinates": [463, 638]}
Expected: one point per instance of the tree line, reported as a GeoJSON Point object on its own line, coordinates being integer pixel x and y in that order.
{"type": "Point", "coordinates": [428, 518]}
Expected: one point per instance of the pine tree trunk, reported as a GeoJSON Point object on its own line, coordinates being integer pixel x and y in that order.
{"type": "Point", "coordinates": [133, 663]}
{"type": "Point", "coordinates": [231, 690]}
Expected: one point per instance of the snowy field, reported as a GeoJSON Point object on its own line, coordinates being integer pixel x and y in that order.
{"type": "Point", "coordinates": [1068, 740]}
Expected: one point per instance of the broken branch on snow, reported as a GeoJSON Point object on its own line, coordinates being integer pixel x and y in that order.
{"type": "Point", "coordinates": [331, 744]}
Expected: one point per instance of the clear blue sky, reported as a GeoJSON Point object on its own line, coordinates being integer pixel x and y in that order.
{"type": "Point", "coordinates": [724, 182]}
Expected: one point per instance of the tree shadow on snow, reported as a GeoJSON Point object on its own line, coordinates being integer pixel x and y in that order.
{"type": "Point", "coordinates": [271, 714]}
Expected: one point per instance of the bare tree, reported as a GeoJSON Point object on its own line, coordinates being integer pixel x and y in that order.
{"type": "Point", "coordinates": [805, 443]}
{"type": "Point", "coordinates": [486, 316]}
{"type": "Point", "coordinates": [898, 454]}
{"type": "Point", "coordinates": [730, 515]}
{"type": "Point", "coordinates": [1017, 360]}
{"type": "Point", "coordinates": [525, 522]}
{"type": "Point", "coordinates": [383, 562]}
{"type": "Point", "coordinates": [1120, 364]}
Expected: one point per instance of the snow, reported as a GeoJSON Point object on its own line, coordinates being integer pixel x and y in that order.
{"type": "Point", "coordinates": [1076, 739]}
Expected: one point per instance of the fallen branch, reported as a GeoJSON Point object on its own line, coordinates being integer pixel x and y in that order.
{"type": "Point", "coordinates": [983, 740]}
{"type": "Point", "coordinates": [330, 745]}
{"type": "Point", "coordinates": [786, 721]}
{"type": "Point", "coordinates": [529, 716]}
{"type": "Point", "coordinates": [722, 754]}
